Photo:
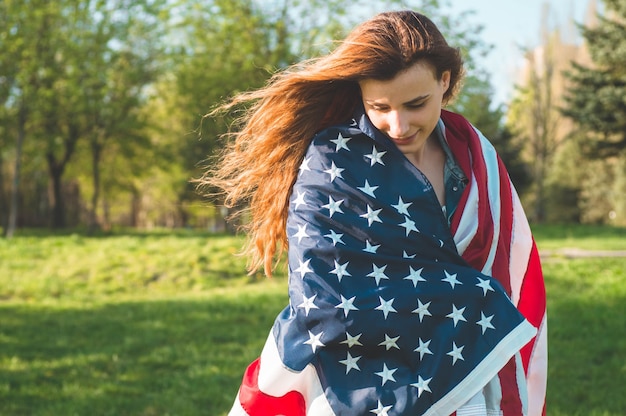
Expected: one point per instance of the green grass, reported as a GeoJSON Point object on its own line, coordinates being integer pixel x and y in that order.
{"type": "Point", "coordinates": [587, 237]}
{"type": "Point", "coordinates": [165, 323]}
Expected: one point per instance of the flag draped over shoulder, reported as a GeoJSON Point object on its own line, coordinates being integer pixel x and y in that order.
{"type": "Point", "coordinates": [392, 311]}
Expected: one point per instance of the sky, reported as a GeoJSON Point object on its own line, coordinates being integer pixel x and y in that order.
{"type": "Point", "coordinates": [509, 24]}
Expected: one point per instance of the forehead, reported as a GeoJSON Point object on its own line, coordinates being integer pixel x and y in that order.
{"type": "Point", "coordinates": [413, 82]}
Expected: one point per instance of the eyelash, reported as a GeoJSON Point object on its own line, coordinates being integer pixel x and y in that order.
{"type": "Point", "coordinates": [409, 106]}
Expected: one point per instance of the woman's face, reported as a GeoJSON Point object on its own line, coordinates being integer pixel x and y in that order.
{"type": "Point", "coordinates": [407, 107]}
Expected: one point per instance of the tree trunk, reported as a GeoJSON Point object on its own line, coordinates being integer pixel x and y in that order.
{"type": "Point", "coordinates": [96, 151]}
{"type": "Point", "coordinates": [55, 170]}
{"type": "Point", "coordinates": [57, 217]}
{"type": "Point", "coordinates": [13, 209]}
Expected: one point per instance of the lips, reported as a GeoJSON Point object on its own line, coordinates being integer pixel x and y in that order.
{"type": "Point", "coordinates": [403, 140]}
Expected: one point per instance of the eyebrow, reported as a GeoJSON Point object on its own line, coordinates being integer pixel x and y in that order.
{"type": "Point", "coordinates": [415, 100]}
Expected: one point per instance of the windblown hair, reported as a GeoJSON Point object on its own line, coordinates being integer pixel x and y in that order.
{"type": "Point", "coordinates": [261, 162]}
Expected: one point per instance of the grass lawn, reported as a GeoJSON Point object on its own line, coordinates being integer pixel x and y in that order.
{"type": "Point", "coordinates": [165, 323]}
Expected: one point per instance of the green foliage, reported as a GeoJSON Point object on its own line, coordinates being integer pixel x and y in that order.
{"type": "Point", "coordinates": [596, 100]}
{"type": "Point", "coordinates": [475, 104]}
{"type": "Point", "coordinates": [113, 94]}
{"type": "Point", "coordinates": [77, 72]}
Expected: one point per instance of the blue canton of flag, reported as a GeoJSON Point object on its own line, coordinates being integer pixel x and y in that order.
{"type": "Point", "coordinates": [393, 320]}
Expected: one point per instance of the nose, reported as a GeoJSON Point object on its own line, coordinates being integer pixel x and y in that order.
{"type": "Point", "coordinates": [398, 124]}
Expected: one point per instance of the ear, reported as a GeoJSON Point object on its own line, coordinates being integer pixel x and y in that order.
{"type": "Point", "coordinates": [445, 80]}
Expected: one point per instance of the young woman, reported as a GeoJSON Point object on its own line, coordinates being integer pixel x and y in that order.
{"type": "Point", "coordinates": [415, 285]}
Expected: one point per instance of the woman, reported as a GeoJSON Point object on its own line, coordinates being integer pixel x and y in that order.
{"type": "Point", "coordinates": [414, 282]}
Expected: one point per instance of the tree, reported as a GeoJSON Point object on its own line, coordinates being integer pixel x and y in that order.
{"type": "Point", "coordinates": [596, 101]}
{"type": "Point", "coordinates": [534, 116]}
{"type": "Point", "coordinates": [475, 103]}
{"type": "Point", "coordinates": [79, 69]}
{"type": "Point", "coordinates": [209, 64]}
{"type": "Point", "coordinates": [24, 36]}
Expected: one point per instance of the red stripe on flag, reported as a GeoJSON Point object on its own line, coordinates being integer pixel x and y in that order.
{"type": "Point", "coordinates": [501, 265]}
{"type": "Point", "coordinates": [461, 135]}
{"type": "Point", "coordinates": [532, 302]}
{"type": "Point", "coordinates": [511, 404]}
{"type": "Point", "coordinates": [257, 403]}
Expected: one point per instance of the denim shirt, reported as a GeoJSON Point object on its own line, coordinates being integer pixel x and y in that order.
{"type": "Point", "coordinates": [454, 179]}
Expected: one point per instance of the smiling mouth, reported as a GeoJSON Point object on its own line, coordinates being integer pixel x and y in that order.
{"type": "Point", "coordinates": [403, 140]}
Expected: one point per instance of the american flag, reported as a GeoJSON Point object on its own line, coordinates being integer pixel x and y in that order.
{"type": "Point", "coordinates": [392, 311]}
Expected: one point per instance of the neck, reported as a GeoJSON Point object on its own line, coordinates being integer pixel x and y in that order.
{"type": "Point", "coordinates": [421, 155]}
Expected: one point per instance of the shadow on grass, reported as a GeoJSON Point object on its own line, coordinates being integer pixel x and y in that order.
{"type": "Point", "coordinates": [141, 358]}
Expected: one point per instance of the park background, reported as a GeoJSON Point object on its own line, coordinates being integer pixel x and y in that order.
{"type": "Point", "coordinates": [121, 291]}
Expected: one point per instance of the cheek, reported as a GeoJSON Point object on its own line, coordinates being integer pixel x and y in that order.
{"type": "Point", "coordinates": [378, 120]}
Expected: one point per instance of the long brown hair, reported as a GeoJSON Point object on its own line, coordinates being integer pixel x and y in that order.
{"type": "Point", "coordinates": [260, 164]}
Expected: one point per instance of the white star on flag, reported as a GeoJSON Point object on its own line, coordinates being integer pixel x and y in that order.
{"type": "Point", "coordinates": [371, 215]}
{"type": "Point", "coordinates": [340, 270]}
{"type": "Point", "coordinates": [378, 273]}
{"type": "Point", "coordinates": [409, 225]}
{"type": "Point", "coordinates": [385, 306]}
{"type": "Point", "coordinates": [308, 304]}
{"type": "Point", "coordinates": [367, 189]}
{"type": "Point", "coordinates": [376, 157]}
{"type": "Point", "coordinates": [341, 142]}
{"type": "Point", "coordinates": [402, 206]}
{"type": "Point", "coordinates": [299, 199]}
{"type": "Point", "coordinates": [381, 410]}
{"type": "Point", "coordinates": [485, 322]}
{"type": "Point", "coordinates": [347, 305]}
{"type": "Point", "coordinates": [301, 233]}
{"type": "Point", "coordinates": [456, 353]}
{"type": "Point", "coordinates": [314, 340]}
{"type": "Point", "coordinates": [369, 248]}
{"type": "Point", "coordinates": [451, 278]}
{"type": "Point", "coordinates": [334, 172]}
{"type": "Point", "coordinates": [422, 309]}
{"type": "Point", "coordinates": [422, 385]}
{"type": "Point", "coordinates": [351, 341]}
{"type": "Point", "coordinates": [415, 276]}
{"type": "Point", "coordinates": [351, 363]}
{"type": "Point", "coordinates": [485, 285]}
{"type": "Point", "coordinates": [305, 165]}
{"type": "Point", "coordinates": [405, 255]}
{"type": "Point", "coordinates": [303, 268]}
{"type": "Point", "coordinates": [423, 348]}
{"type": "Point", "coordinates": [456, 315]}
{"type": "Point", "coordinates": [335, 238]}
{"type": "Point", "coordinates": [333, 206]}
{"type": "Point", "coordinates": [386, 374]}
{"type": "Point", "coordinates": [389, 342]}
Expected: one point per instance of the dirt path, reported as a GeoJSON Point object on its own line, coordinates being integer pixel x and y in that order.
{"type": "Point", "coordinates": [577, 253]}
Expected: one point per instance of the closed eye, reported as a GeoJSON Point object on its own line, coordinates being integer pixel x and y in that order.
{"type": "Point", "coordinates": [416, 105]}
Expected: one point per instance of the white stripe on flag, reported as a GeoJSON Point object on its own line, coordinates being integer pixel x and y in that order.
{"type": "Point", "coordinates": [468, 225]}
{"type": "Point", "coordinates": [538, 371]}
{"type": "Point", "coordinates": [277, 380]}
{"type": "Point", "coordinates": [521, 246]}
{"type": "Point", "coordinates": [493, 191]}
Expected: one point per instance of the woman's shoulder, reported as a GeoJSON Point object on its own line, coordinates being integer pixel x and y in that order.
{"type": "Point", "coordinates": [455, 120]}
{"type": "Point", "coordinates": [345, 128]}
{"type": "Point", "coordinates": [338, 136]}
